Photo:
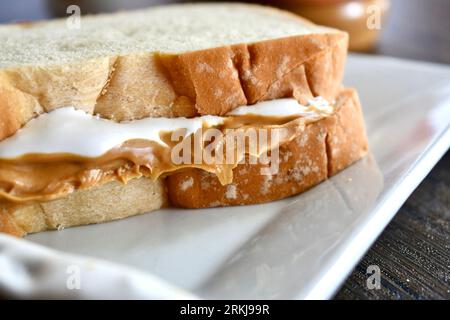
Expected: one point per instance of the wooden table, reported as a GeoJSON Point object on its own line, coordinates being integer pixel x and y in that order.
{"type": "Point", "coordinates": [413, 252]}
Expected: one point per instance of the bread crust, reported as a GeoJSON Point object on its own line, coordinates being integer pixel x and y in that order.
{"type": "Point", "coordinates": [322, 150]}
{"type": "Point", "coordinates": [211, 81]}
{"type": "Point", "coordinates": [103, 203]}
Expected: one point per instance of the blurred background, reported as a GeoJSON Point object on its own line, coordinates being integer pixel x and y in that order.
{"type": "Point", "coordinates": [416, 29]}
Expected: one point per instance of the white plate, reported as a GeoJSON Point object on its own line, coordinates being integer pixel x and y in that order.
{"type": "Point", "coordinates": [301, 247]}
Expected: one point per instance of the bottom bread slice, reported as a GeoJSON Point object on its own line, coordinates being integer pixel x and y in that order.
{"type": "Point", "coordinates": [323, 149]}
{"type": "Point", "coordinates": [103, 203]}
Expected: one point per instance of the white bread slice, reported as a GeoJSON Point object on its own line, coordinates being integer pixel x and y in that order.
{"type": "Point", "coordinates": [323, 149]}
{"type": "Point", "coordinates": [168, 61]}
{"type": "Point", "coordinates": [103, 203]}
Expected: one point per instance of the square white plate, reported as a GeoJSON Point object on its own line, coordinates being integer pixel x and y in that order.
{"type": "Point", "coordinates": [304, 246]}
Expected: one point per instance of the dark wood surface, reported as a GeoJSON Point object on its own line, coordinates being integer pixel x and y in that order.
{"type": "Point", "coordinates": [413, 253]}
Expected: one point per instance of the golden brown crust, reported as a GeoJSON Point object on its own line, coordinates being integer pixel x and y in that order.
{"type": "Point", "coordinates": [16, 108]}
{"type": "Point", "coordinates": [346, 138]}
{"type": "Point", "coordinates": [324, 148]}
{"type": "Point", "coordinates": [211, 81]}
{"type": "Point", "coordinates": [8, 225]}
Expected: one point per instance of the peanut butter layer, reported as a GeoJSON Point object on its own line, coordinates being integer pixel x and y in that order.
{"type": "Point", "coordinates": [43, 177]}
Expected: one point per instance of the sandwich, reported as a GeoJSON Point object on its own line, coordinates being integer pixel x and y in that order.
{"type": "Point", "coordinates": [189, 106]}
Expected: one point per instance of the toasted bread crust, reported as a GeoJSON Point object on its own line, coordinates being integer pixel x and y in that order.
{"type": "Point", "coordinates": [323, 149]}
{"type": "Point", "coordinates": [211, 81]}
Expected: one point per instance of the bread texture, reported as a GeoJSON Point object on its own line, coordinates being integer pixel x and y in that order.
{"type": "Point", "coordinates": [323, 149]}
{"type": "Point", "coordinates": [181, 60]}
{"type": "Point", "coordinates": [103, 203]}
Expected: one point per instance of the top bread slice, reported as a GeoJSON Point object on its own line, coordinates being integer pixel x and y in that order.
{"type": "Point", "coordinates": [180, 60]}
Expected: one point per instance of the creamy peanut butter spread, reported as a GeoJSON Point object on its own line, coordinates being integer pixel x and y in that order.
{"type": "Point", "coordinates": [39, 177]}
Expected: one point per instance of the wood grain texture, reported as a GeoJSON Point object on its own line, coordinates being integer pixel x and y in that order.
{"type": "Point", "coordinates": [413, 253]}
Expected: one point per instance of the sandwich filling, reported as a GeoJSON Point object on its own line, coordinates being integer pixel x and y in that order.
{"type": "Point", "coordinates": [65, 150]}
